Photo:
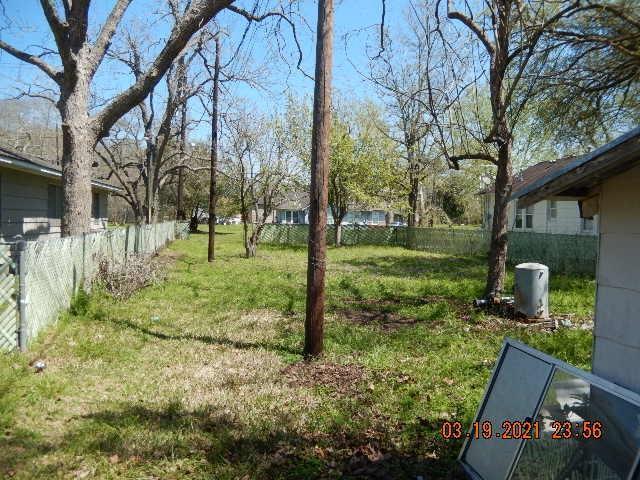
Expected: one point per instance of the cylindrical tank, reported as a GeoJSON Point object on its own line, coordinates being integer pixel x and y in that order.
{"type": "Point", "coordinates": [532, 290]}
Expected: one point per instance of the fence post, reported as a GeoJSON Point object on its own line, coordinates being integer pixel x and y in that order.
{"type": "Point", "coordinates": [84, 262]}
{"type": "Point", "coordinates": [22, 296]}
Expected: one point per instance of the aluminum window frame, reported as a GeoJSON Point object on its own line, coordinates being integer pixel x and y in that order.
{"type": "Point", "coordinates": [555, 364]}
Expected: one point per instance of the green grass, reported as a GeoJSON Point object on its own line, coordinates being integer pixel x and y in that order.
{"type": "Point", "coordinates": [200, 376]}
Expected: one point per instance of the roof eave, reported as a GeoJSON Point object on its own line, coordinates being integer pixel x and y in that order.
{"type": "Point", "coordinates": [578, 177]}
{"type": "Point", "coordinates": [25, 166]}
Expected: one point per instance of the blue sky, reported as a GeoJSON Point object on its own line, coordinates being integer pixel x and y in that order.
{"type": "Point", "coordinates": [355, 29]}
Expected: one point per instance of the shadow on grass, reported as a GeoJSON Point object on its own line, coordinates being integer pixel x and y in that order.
{"type": "Point", "coordinates": [208, 339]}
{"type": "Point", "coordinates": [280, 247]}
{"type": "Point", "coordinates": [450, 268]}
{"type": "Point", "coordinates": [174, 433]}
{"type": "Point", "coordinates": [202, 232]}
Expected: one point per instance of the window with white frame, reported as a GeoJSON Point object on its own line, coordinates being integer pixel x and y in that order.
{"type": "Point", "coordinates": [524, 218]}
{"type": "Point", "coordinates": [552, 210]}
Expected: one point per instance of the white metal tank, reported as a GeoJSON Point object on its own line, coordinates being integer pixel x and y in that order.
{"type": "Point", "coordinates": [532, 290]}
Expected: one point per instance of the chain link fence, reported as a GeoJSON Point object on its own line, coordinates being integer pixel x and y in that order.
{"type": "Point", "coordinates": [573, 254]}
{"type": "Point", "coordinates": [52, 271]}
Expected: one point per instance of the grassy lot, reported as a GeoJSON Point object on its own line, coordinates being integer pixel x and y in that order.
{"type": "Point", "coordinates": [200, 376]}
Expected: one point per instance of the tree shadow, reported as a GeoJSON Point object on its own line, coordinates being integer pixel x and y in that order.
{"type": "Point", "coordinates": [207, 434]}
{"type": "Point", "coordinates": [283, 247]}
{"type": "Point", "coordinates": [208, 339]}
{"type": "Point", "coordinates": [203, 232]}
{"type": "Point", "coordinates": [448, 267]}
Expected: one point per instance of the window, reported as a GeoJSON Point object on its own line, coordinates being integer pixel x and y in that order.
{"type": "Point", "coordinates": [54, 201]}
{"type": "Point", "coordinates": [554, 396]}
{"type": "Point", "coordinates": [528, 221]}
{"type": "Point", "coordinates": [552, 209]}
{"type": "Point", "coordinates": [524, 215]}
{"type": "Point", "coordinates": [587, 224]}
{"type": "Point", "coordinates": [95, 205]}
{"type": "Point", "coordinates": [377, 216]}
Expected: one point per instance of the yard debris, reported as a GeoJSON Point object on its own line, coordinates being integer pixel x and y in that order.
{"type": "Point", "coordinates": [380, 312]}
{"type": "Point", "coordinates": [123, 279]}
{"type": "Point", "coordinates": [38, 365]}
{"type": "Point", "coordinates": [342, 379]}
{"type": "Point", "coordinates": [566, 322]}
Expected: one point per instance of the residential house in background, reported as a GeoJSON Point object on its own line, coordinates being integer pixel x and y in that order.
{"type": "Point", "coordinates": [551, 215]}
{"type": "Point", "coordinates": [31, 198]}
{"type": "Point", "coordinates": [606, 182]}
{"type": "Point", "coordinates": [294, 210]}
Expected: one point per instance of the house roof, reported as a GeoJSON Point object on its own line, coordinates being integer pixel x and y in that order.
{"type": "Point", "coordinates": [295, 201]}
{"type": "Point", "coordinates": [38, 166]}
{"type": "Point", "coordinates": [578, 177]}
{"type": "Point", "coordinates": [530, 175]}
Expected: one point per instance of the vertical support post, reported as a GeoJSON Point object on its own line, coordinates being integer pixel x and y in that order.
{"type": "Point", "coordinates": [84, 263]}
{"type": "Point", "coordinates": [320, 149]}
{"type": "Point", "coordinates": [22, 296]}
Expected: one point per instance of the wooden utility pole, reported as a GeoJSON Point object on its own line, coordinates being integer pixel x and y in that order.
{"type": "Point", "coordinates": [317, 251]}
{"type": "Point", "coordinates": [213, 194]}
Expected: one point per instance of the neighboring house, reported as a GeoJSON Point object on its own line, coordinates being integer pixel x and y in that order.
{"type": "Point", "coordinates": [31, 198]}
{"type": "Point", "coordinates": [606, 182]}
{"type": "Point", "coordinates": [552, 215]}
{"type": "Point", "coordinates": [294, 210]}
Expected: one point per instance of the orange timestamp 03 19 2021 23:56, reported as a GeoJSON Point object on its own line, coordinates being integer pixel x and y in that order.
{"type": "Point", "coordinates": [523, 430]}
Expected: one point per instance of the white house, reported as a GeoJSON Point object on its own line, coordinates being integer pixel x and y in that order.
{"type": "Point", "coordinates": [31, 198]}
{"type": "Point", "coordinates": [294, 210]}
{"type": "Point", "coordinates": [552, 215]}
{"type": "Point", "coordinates": [606, 182]}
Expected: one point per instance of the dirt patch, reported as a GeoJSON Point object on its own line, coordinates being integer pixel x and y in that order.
{"type": "Point", "coordinates": [385, 320]}
{"type": "Point", "coordinates": [167, 257]}
{"type": "Point", "coordinates": [342, 379]}
{"type": "Point", "coordinates": [380, 312]}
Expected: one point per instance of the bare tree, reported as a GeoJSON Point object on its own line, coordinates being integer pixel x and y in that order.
{"type": "Point", "coordinates": [405, 87]}
{"type": "Point", "coordinates": [260, 169]}
{"type": "Point", "coordinates": [320, 151]}
{"type": "Point", "coordinates": [508, 33]}
{"type": "Point", "coordinates": [154, 165]}
{"type": "Point", "coordinates": [80, 57]}
{"type": "Point", "coordinates": [591, 75]}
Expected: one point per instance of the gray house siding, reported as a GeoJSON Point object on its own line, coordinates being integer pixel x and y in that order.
{"type": "Point", "coordinates": [27, 206]}
{"type": "Point", "coordinates": [617, 336]}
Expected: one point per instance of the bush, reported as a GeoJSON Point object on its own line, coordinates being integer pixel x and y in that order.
{"type": "Point", "coordinates": [123, 279]}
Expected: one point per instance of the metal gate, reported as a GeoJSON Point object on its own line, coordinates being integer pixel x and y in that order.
{"type": "Point", "coordinates": [8, 301]}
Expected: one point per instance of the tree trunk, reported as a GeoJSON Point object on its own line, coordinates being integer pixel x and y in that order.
{"type": "Point", "coordinates": [251, 244]}
{"type": "Point", "coordinates": [214, 155]}
{"type": "Point", "coordinates": [413, 217]}
{"type": "Point", "coordinates": [498, 247]}
{"type": "Point", "coordinates": [338, 233]}
{"type": "Point", "coordinates": [78, 140]}
{"type": "Point", "coordinates": [314, 320]}
{"type": "Point", "coordinates": [193, 222]}
{"type": "Point", "coordinates": [149, 163]}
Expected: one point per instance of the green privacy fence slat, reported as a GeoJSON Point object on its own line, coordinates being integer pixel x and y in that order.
{"type": "Point", "coordinates": [562, 253]}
